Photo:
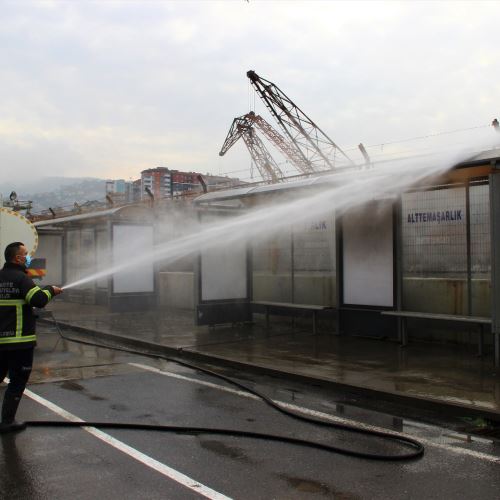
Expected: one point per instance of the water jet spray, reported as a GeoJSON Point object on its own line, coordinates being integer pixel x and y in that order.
{"type": "Point", "coordinates": [338, 192]}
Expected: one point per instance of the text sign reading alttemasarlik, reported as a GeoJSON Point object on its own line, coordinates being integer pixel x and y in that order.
{"type": "Point", "coordinates": [437, 216]}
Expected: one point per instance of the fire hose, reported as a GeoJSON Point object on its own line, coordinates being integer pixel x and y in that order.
{"type": "Point", "coordinates": [415, 447]}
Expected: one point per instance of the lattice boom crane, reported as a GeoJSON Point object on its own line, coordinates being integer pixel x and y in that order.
{"type": "Point", "coordinates": [312, 144]}
{"type": "Point", "coordinates": [242, 127]}
{"type": "Point", "coordinates": [288, 150]}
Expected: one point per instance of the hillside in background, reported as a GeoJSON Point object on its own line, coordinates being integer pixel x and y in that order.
{"type": "Point", "coordinates": [56, 191]}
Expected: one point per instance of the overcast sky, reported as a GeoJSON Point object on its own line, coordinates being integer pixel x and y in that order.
{"type": "Point", "coordinates": [108, 88]}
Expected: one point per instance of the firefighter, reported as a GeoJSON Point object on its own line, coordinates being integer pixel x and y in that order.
{"type": "Point", "coordinates": [18, 296]}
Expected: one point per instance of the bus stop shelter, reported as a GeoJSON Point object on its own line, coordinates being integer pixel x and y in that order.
{"type": "Point", "coordinates": [80, 245]}
{"type": "Point", "coordinates": [433, 251]}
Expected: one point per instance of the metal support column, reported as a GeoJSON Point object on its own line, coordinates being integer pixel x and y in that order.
{"type": "Point", "coordinates": [292, 270]}
{"type": "Point", "coordinates": [495, 261]}
{"type": "Point", "coordinates": [292, 264]}
{"type": "Point", "coordinates": [468, 243]}
{"type": "Point", "coordinates": [398, 237]}
{"type": "Point", "coordinates": [339, 270]}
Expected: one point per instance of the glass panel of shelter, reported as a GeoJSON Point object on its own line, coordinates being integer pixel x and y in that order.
{"type": "Point", "coordinates": [480, 250]}
{"type": "Point", "coordinates": [444, 271]}
{"type": "Point", "coordinates": [313, 261]}
{"type": "Point", "coordinates": [435, 251]}
{"type": "Point", "coordinates": [272, 267]}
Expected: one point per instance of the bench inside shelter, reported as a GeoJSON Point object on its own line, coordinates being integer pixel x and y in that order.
{"type": "Point", "coordinates": [284, 308]}
{"type": "Point", "coordinates": [481, 321]}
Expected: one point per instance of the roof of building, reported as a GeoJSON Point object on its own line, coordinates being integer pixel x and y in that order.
{"type": "Point", "coordinates": [87, 215]}
{"type": "Point", "coordinates": [320, 178]}
{"type": "Point", "coordinates": [71, 218]}
{"type": "Point", "coordinates": [483, 157]}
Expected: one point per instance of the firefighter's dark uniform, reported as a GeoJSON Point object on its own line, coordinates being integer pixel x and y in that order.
{"type": "Point", "coordinates": [18, 296]}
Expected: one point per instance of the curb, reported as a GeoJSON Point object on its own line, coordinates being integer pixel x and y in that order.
{"type": "Point", "coordinates": [448, 407]}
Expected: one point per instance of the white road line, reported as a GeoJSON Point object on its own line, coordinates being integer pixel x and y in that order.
{"type": "Point", "coordinates": [459, 451]}
{"type": "Point", "coordinates": [132, 452]}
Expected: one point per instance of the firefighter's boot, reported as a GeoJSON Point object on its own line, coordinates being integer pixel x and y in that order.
{"type": "Point", "coordinates": [9, 409]}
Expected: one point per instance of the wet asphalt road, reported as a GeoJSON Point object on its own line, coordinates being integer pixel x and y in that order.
{"type": "Point", "coordinates": [98, 384]}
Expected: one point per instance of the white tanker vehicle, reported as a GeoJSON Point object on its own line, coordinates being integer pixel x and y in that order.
{"type": "Point", "coordinates": [16, 227]}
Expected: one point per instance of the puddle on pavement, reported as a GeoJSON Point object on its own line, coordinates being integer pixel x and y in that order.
{"type": "Point", "coordinates": [310, 486]}
{"type": "Point", "coordinates": [477, 434]}
{"type": "Point", "coordinates": [47, 374]}
{"type": "Point", "coordinates": [223, 449]}
{"type": "Point", "coordinates": [119, 407]}
{"type": "Point", "coordinates": [479, 401]}
{"type": "Point", "coordinates": [71, 385]}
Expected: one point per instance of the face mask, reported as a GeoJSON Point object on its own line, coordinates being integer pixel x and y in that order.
{"type": "Point", "coordinates": [28, 260]}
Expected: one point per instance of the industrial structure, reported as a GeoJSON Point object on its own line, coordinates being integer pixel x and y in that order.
{"type": "Point", "coordinates": [304, 145]}
{"type": "Point", "coordinates": [242, 127]}
{"type": "Point", "coordinates": [313, 145]}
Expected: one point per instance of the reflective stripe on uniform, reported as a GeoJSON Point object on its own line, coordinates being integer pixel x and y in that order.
{"type": "Point", "coordinates": [18, 340]}
{"type": "Point", "coordinates": [18, 336]}
{"type": "Point", "coordinates": [12, 302]}
{"type": "Point", "coordinates": [32, 292]}
{"type": "Point", "coordinates": [19, 321]}
{"type": "Point", "coordinates": [47, 292]}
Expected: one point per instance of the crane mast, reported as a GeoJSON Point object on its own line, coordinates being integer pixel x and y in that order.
{"type": "Point", "coordinates": [242, 127]}
{"type": "Point", "coordinates": [314, 147]}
